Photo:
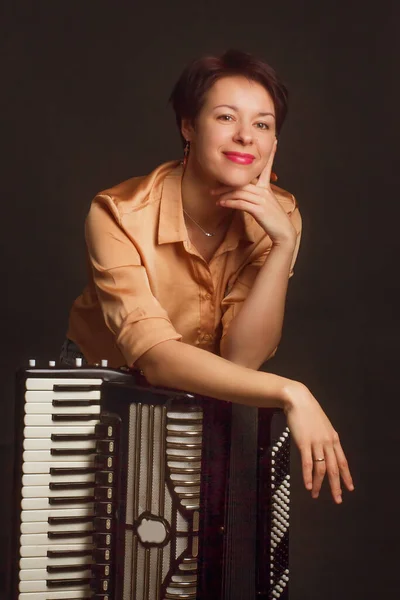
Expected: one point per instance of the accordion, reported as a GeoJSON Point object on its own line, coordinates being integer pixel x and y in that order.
{"type": "Point", "coordinates": [131, 492]}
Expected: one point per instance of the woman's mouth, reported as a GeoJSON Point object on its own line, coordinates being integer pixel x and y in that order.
{"type": "Point", "coordinates": [240, 158]}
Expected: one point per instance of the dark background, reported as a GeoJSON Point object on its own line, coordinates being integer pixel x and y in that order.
{"type": "Point", "coordinates": [83, 99]}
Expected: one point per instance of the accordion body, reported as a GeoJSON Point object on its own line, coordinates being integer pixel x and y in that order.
{"type": "Point", "coordinates": [130, 492]}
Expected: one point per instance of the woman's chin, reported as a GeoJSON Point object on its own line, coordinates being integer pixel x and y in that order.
{"type": "Point", "coordinates": [235, 179]}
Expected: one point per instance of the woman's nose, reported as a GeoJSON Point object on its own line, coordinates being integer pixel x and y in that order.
{"type": "Point", "coordinates": [243, 135]}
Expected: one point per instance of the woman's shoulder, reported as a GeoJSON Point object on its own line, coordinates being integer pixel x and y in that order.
{"type": "Point", "coordinates": [134, 193]}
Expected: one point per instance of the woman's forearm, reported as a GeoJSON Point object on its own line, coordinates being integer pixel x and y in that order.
{"type": "Point", "coordinates": [256, 331]}
{"type": "Point", "coordinates": [177, 365]}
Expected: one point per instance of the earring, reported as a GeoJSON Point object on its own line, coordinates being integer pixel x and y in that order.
{"type": "Point", "coordinates": [186, 153]}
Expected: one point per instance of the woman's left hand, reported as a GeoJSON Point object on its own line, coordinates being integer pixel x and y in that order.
{"type": "Point", "coordinates": [258, 200]}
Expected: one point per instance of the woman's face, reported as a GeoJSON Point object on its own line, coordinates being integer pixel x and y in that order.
{"type": "Point", "coordinates": [234, 132]}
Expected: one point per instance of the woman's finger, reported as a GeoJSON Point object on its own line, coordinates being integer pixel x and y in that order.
{"type": "Point", "coordinates": [332, 469]}
{"type": "Point", "coordinates": [307, 467]}
{"type": "Point", "coordinates": [343, 465]}
{"type": "Point", "coordinates": [319, 469]}
{"type": "Point", "coordinates": [265, 175]}
{"type": "Point", "coordinates": [233, 197]}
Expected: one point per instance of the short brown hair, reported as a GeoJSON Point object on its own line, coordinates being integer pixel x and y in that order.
{"type": "Point", "coordinates": [188, 95]}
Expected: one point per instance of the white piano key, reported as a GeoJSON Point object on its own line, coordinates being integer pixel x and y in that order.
{"type": "Point", "coordinates": [33, 383]}
{"type": "Point", "coordinates": [47, 396]}
{"type": "Point", "coordinates": [41, 586]}
{"type": "Point", "coordinates": [44, 479]}
{"type": "Point", "coordinates": [48, 409]}
{"type": "Point", "coordinates": [44, 467]}
{"type": "Point", "coordinates": [59, 595]}
{"type": "Point", "coordinates": [41, 562]}
{"type": "Point", "coordinates": [45, 527]}
{"type": "Point", "coordinates": [42, 575]}
{"type": "Point", "coordinates": [43, 491]}
{"type": "Point", "coordinates": [31, 516]}
{"type": "Point", "coordinates": [42, 539]}
{"type": "Point", "coordinates": [41, 551]}
{"type": "Point", "coordinates": [47, 444]}
{"type": "Point", "coordinates": [46, 432]}
{"type": "Point", "coordinates": [43, 503]}
{"type": "Point", "coordinates": [45, 455]}
{"type": "Point", "coordinates": [47, 421]}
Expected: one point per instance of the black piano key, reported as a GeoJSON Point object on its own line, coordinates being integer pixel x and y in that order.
{"type": "Point", "coordinates": [72, 437]}
{"type": "Point", "coordinates": [55, 535]}
{"type": "Point", "coordinates": [104, 509]}
{"type": "Point", "coordinates": [55, 583]}
{"type": "Point", "coordinates": [104, 462]}
{"type": "Point", "coordinates": [68, 553]}
{"type": "Point", "coordinates": [71, 485]}
{"type": "Point", "coordinates": [73, 471]}
{"type": "Point", "coordinates": [105, 431]}
{"type": "Point", "coordinates": [102, 555]}
{"type": "Point", "coordinates": [77, 417]}
{"type": "Point", "coordinates": [75, 388]}
{"type": "Point", "coordinates": [103, 493]}
{"type": "Point", "coordinates": [100, 585]}
{"type": "Point", "coordinates": [75, 402]}
{"type": "Point", "coordinates": [68, 568]}
{"type": "Point", "coordinates": [71, 500]}
{"type": "Point", "coordinates": [102, 540]}
{"type": "Point", "coordinates": [102, 571]}
{"type": "Point", "coordinates": [109, 419]}
{"type": "Point", "coordinates": [68, 520]}
{"type": "Point", "coordinates": [71, 451]}
{"type": "Point", "coordinates": [105, 447]}
{"type": "Point", "coordinates": [103, 525]}
{"type": "Point", "coordinates": [104, 477]}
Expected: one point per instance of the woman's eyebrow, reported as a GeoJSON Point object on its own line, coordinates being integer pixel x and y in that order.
{"type": "Point", "coordinates": [260, 114]}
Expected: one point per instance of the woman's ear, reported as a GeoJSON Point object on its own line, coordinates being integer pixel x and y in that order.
{"type": "Point", "coordinates": [187, 129]}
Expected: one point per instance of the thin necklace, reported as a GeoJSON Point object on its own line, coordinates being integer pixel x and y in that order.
{"type": "Point", "coordinates": [208, 234]}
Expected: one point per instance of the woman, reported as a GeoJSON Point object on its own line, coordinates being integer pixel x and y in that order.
{"type": "Point", "coordinates": [189, 265]}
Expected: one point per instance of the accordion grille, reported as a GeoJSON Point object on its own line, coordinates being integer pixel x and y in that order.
{"type": "Point", "coordinates": [162, 502]}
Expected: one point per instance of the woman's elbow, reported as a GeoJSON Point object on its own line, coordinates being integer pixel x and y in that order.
{"type": "Point", "coordinates": [155, 364]}
{"type": "Point", "coordinates": [246, 357]}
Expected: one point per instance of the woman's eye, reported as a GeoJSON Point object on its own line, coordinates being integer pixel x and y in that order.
{"type": "Point", "coordinates": [262, 125]}
{"type": "Point", "coordinates": [225, 117]}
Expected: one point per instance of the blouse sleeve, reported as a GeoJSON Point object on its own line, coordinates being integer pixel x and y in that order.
{"type": "Point", "coordinates": [233, 301]}
{"type": "Point", "coordinates": [130, 310]}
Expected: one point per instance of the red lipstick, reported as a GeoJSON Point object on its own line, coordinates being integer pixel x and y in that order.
{"type": "Point", "coordinates": [240, 158]}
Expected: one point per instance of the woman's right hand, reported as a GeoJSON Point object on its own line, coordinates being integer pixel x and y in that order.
{"type": "Point", "coordinates": [315, 437]}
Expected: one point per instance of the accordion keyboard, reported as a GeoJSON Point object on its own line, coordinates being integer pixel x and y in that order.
{"type": "Point", "coordinates": [59, 441]}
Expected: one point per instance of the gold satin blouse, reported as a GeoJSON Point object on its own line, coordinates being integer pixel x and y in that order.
{"type": "Point", "coordinates": [148, 283]}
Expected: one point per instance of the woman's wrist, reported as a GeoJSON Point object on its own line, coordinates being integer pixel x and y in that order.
{"type": "Point", "coordinates": [287, 242]}
{"type": "Point", "coordinates": [291, 392]}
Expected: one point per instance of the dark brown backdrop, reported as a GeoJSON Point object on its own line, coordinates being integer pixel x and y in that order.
{"type": "Point", "coordinates": [83, 106]}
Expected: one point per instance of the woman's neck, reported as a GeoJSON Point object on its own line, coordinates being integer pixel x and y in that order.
{"type": "Point", "coordinates": [197, 200]}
